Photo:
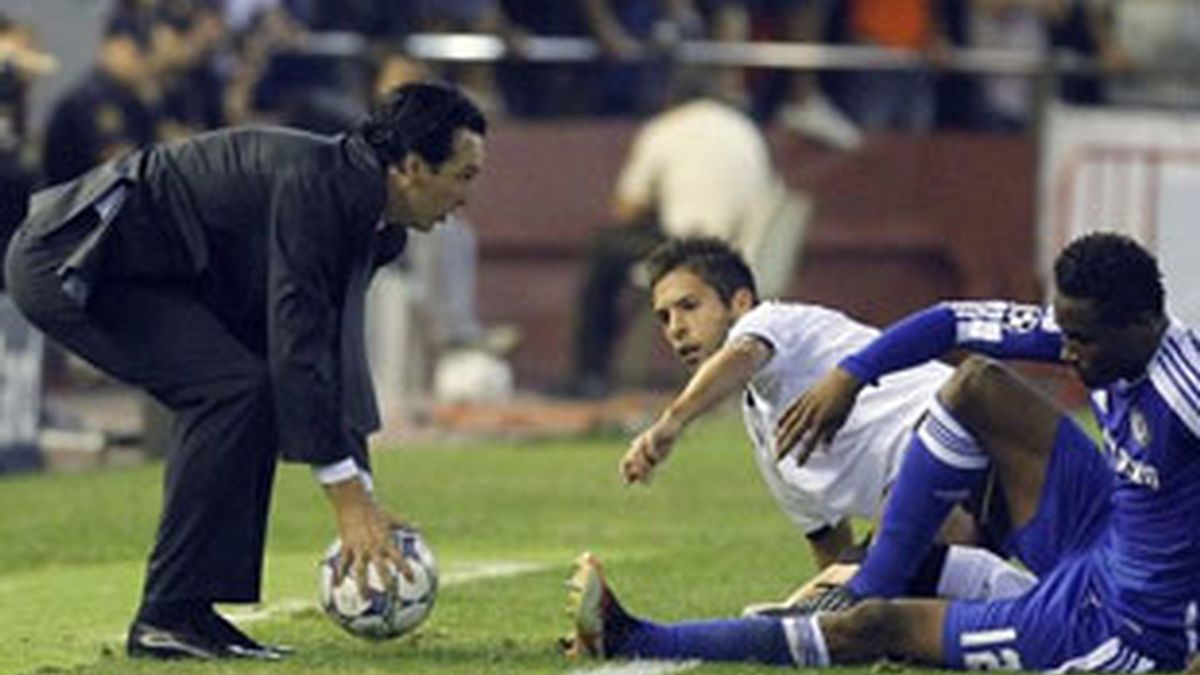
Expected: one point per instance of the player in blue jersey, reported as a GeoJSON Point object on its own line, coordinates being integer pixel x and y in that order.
{"type": "Point", "coordinates": [1110, 530]}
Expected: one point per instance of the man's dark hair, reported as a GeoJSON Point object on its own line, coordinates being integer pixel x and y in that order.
{"type": "Point", "coordinates": [421, 117]}
{"type": "Point", "coordinates": [709, 258]}
{"type": "Point", "coordinates": [1112, 270]}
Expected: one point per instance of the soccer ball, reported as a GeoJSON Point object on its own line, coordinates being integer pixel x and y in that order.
{"type": "Point", "coordinates": [380, 615]}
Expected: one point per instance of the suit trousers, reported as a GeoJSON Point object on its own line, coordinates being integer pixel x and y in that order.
{"type": "Point", "coordinates": [612, 253]}
{"type": "Point", "coordinates": [150, 328]}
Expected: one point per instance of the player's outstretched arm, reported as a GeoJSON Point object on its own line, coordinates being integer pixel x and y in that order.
{"type": "Point", "coordinates": [816, 415]}
{"type": "Point", "coordinates": [996, 328]}
{"type": "Point", "coordinates": [725, 372]}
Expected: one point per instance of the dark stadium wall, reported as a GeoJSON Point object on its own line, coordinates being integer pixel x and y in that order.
{"type": "Point", "coordinates": [902, 223]}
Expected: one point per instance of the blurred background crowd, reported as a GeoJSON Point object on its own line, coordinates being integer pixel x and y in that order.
{"type": "Point", "coordinates": [167, 68]}
{"type": "Point", "coordinates": [82, 81]}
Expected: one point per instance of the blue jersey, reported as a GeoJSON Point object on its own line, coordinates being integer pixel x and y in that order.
{"type": "Point", "coordinates": [1148, 558]}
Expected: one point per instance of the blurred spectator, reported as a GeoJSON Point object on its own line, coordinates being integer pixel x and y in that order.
{"type": "Point", "coordinates": [803, 107]}
{"type": "Point", "coordinates": [20, 62]}
{"type": "Point", "coordinates": [544, 89]}
{"type": "Point", "coordinates": [625, 81]}
{"type": "Point", "coordinates": [109, 112]}
{"type": "Point", "coordinates": [700, 168]}
{"type": "Point", "coordinates": [21, 347]}
{"type": "Point", "coordinates": [187, 37]}
{"type": "Point", "coordinates": [240, 14]}
{"type": "Point", "coordinates": [1006, 101]}
{"type": "Point", "coordinates": [322, 93]}
{"type": "Point", "coordinates": [383, 20]}
{"type": "Point", "coordinates": [134, 18]}
{"type": "Point", "coordinates": [270, 30]}
{"type": "Point", "coordinates": [897, 99]}
{"type": "Point", "coordinates": [387, 22]}
{"type": "Point", "coordinates": [1084, 29]}
{"type": "Point", "coordinates": [468, 16]}
{"type": "Point", "coordinates": [629, 31]}
{"type": "Point", "coordinates": [1163, 34]}
{"type": "Point", "coordinates": [957, 92]}
{"type": "Point", "coordinates": [451, 256]}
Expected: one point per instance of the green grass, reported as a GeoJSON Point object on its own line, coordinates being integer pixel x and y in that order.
{"type": "Point", "coordinates": [703, 540]}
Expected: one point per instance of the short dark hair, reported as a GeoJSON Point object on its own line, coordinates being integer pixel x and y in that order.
{"type": "Point", "coordinates": [1115, 272]}
{"type": "Point", "coordinates": [709, 258]}
{"type": "Point", "coordinates": [421, 117]}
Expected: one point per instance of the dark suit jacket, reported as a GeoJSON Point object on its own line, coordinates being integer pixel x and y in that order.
{"type": "Point", "coordinates": [282, 228]}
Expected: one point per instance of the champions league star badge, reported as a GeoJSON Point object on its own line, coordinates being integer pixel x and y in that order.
{"type": "Point", "coordinates": [1023, 318]}
{"type": "Point", "coordinates": [1139, 427]}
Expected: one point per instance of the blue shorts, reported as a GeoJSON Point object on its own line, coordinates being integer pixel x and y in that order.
{"type": "Point", "coordinates": [1061, 622]}
{"type": "Point", "coordinates": [1074, 506]}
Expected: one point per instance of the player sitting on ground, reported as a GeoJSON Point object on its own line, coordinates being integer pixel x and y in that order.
{"type": "Point", "coordinates": [704, 296]}
{"type": "Point", "coordinates": [1109, 530]}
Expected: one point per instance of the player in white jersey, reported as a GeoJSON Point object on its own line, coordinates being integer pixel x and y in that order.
{"type": "Point", "coordinates": [704, 296]}
{"type": "Point", "coordinates": [1110, 528]}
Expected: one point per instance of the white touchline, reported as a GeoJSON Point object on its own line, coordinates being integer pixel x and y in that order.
{"type": "Point", "coordinates": [638, 668]}
{"type": "Point", "coordinates": [461, 575]}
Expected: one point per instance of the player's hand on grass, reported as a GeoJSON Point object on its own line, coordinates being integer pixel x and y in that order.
{"type": "Point", "coordinates": [365, 531]}
{"type": "Point", "coordinates": [813, 418]}
{"type": "Point", "coordinates": [648, 450]}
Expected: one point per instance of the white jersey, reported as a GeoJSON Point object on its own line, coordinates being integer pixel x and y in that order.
{"type": "Point", "coordinates": [850, 477]}
{"type": "Point", "coordinates": [704, 167]}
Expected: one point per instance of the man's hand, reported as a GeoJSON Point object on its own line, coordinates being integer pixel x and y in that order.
{"type": "Point", "coordinates": [366, 535]}
{"type": "Point", "coordinates": [648, 450]}
{"type": "Point", "coordinates": [814, 417]}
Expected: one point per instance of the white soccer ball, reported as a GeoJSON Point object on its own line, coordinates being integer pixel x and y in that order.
{"type": "Point", "coordinates": [380, 615]}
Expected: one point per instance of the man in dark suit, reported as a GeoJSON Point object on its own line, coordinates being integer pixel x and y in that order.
{"type": "Point", "coordinates": [226, 276]}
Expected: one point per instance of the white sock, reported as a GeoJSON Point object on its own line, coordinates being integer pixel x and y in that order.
{"type": "Point", "coordinates": [806, 641]}
{"type": "Point", "coordinates": [972, 573]}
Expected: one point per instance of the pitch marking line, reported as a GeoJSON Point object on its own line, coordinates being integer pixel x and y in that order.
{"type": "Point", "coordinates": [462, 575]}
{"type": "Point", "coordinates": [639, 668]}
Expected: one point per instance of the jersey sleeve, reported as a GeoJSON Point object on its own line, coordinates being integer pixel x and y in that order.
{"type": "Point", "coordinates": [766, 324]}
{"type": "Point", "coordinates": [1175, 372]}
{"type": "Point", "coordinates": [1006, 330]}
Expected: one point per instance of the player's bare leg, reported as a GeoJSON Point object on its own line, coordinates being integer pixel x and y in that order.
{"type": "Point", "coordinates": [901, 630]}
{"type": "Point", "coordinates": [986, 418]}
{"type": "Point", "coordinates": [1014, 423]}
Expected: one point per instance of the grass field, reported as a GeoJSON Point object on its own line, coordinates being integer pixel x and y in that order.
{"type": "Point", "coordinates": [505, 519]}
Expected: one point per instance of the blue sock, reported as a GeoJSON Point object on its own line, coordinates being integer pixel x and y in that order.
{"type": "Point", "coordinates": [942, 466]}
{"type": "Point", "coordinates": [760, 639]}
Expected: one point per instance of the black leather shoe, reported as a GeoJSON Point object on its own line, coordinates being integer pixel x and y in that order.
{"type": "Point", "coordinates": [238, 643]}
{"type": "Point", "coordinates": [261, 653]}
{"type": "Point", "coordinates": [146, 641]}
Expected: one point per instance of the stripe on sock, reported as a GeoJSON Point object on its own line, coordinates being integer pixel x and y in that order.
{"type": "Point", "coordinates": [805, 641]}
{"type": "Point", "coordinates": [792, 633]}
{"type": "Point", "coordinates": [949, 442]}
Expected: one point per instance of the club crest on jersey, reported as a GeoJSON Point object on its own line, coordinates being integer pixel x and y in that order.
{"type": "Point", "coordinates": [1137, 472]}
{"type": "Point", "coordinates": [1139, 428]}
